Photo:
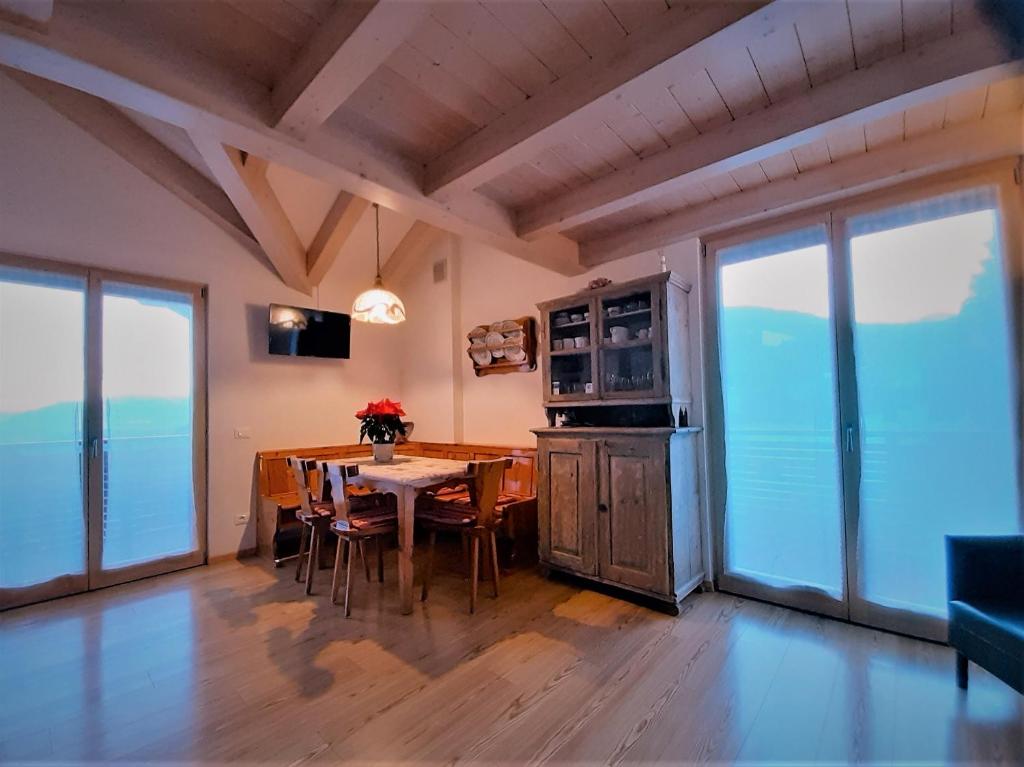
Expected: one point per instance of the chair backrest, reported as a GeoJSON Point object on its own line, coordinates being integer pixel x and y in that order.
{"type": "Point", "coordinates": [299, 472]}
{"type": "Point", "coordinates": [485, 486]}
{"type": "Point", "coordinates": [338, 474]}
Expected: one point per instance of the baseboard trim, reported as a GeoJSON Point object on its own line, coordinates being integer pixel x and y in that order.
{"type": "Point", "coordinates": [234, 556]}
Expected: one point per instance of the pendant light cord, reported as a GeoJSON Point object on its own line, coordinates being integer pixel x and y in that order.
{"type": "Point", "coordinates": [376, 210]}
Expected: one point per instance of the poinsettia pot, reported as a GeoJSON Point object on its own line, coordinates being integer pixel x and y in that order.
{"type": "Point", "coordinates": [383, 452]}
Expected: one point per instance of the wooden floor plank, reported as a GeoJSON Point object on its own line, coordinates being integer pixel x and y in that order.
{"type": "Point", "coordinates": [233, 663]}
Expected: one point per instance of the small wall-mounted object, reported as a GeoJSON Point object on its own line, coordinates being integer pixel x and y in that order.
{"type": "Point", "coordinates": [507, 346]}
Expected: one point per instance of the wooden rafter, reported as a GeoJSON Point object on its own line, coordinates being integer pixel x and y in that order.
{"type": "Point", "coordinates": [893, 85]}
{"type": "Point", "coordinates": [33, 11]}
{"type": "Point", "coordinates": [407, 253]}
{"type": "Point", "coordinates": [677, 39]}
{"type": "Point", "coordinates": [944, 150]}
{"type": "Point", "coordinates": [347, 48]}
{"type": "Point", "coordinates": [119, 134]}
{"type": "Point", "coordinates": [334, 232]}
{"type": "Point", "coordinates": [247, 187]}
{"type": "Point", "coordinates": [100, 64]}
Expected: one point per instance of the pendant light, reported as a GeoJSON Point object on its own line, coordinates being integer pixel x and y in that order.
{"type": "Point", "coordinates": [378, 304]}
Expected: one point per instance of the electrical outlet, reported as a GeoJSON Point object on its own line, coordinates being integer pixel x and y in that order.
{"type": "Point", "coordinates": [243, 432]}
{"type": "Point", "coordinates": [241, 519]}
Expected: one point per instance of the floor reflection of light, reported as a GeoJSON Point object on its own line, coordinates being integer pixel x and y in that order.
{"type": "Point", "coordinates": [163, 625]}
{"type": "Point", "coordinates": [38, 663]}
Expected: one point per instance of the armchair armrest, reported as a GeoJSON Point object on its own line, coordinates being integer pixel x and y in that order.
{"type": "Point", "coordinates": [985, 567]}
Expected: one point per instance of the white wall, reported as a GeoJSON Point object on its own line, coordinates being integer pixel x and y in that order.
{"type": "Point", "coordinates": [64, 196]}
{"type": "Point", "coordinates": [501, 409]}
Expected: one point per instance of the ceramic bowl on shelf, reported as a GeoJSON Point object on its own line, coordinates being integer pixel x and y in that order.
{"type": "Point", "coordinates": [515, 354]}
{"type": "Point", "coordinates": [556, 345]}
{"type": "Point", "coordinates": [582, 342]}
{"type": "Point", "coordinates": [561, 319]}
{"type": "Point", "coordinates": [480, 355]}
{"type": "Point", "coordinates": [576, 317]}
{"type": "Point", "coordinates": [614, 311]}
{"type": "Point", "coordinates": [619, 333]}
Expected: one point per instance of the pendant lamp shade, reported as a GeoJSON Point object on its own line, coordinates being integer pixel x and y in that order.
{"type": "Point", "coordinates": [378, 304]}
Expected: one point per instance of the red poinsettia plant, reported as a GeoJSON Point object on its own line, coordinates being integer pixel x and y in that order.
{"type": "Point", "coordinates": [381, 421]}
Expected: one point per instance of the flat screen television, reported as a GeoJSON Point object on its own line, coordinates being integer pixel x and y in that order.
{"type": "Point", "coordinates": [298, 332]}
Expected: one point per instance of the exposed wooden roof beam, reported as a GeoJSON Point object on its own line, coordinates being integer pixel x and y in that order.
{"type": "Point", "coordinates": [951, 148]}
{"type": "Point", "coordinates": [677, 39]}
{"type": "Point", "coordinates": [119, 134]}
{"type": "Point", "coordinates": [334, 232]}
{"type": "Point", "coordinates": [404, 257]}
{"type": "Point", "coordinates": [924, 74]}
{"type": "Point", "coordinates": [34, 11]}
{"type": "Point", "coordinates": [100, 64]}
{"type": "Point", "coordinates": [346, 49]}
{"type": "Point", "coordinates": [247, 187]}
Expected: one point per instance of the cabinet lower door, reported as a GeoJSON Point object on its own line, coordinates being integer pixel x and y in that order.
{"type": "Point", "coordinates": [568, 504]}
{"type": "Point", "coordinates": [632, 514]}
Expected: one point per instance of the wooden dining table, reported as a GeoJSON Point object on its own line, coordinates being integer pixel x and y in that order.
{"type": "Point", "coordinates": [405, 477]}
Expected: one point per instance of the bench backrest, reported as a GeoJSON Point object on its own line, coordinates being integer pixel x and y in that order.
{"type": "Point", "coordinates": [276, 480]}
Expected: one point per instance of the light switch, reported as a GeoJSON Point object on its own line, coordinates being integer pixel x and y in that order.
{"type": "Point", "coordinates": [243, 433]}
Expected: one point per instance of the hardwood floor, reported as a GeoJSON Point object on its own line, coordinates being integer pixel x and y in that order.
{"type": "Point", "coordinates": [232, 663]}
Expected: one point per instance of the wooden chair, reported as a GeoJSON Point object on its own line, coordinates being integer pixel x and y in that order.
{"type": "Point", "coordinates": [476, 517]}
{"type": "Point", "coordinates": [354, 525]}
{"type": "Point", "coordinates": [314, 514]}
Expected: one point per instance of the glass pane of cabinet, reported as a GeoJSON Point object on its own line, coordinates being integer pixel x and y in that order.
{"type": "Point", "coordinates": [571, 339]}
{"type": "Point", "coordinates": [629, 335]}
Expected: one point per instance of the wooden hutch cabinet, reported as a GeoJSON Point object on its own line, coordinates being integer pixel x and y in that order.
{"type": "Point", "coordinates": [617, 479]}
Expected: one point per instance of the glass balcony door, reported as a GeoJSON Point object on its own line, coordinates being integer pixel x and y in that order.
{"type": "Point", "coordinates": [147, 464]}
{"type": "Point", "coordinates": [43, 525]}
{"type": "Point", "coordinates": [934, 424]}
{"type": "Point", "coordinates": [780, 488]}
{"type": "Point", "coordinates": [102, 429]}
{"type": "Point", "coordinates": [869, 370]}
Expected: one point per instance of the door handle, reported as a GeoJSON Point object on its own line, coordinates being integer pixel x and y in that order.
{"type": "Point", "coordinates": [849, 438]}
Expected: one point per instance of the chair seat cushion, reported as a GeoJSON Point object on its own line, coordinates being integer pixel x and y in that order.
{"type": "Point", "coordinates": [366, 521]}
{"type": "Point", "coordinates": [320, 509]}
{"type": "Point", "coordinates": [999, 624]}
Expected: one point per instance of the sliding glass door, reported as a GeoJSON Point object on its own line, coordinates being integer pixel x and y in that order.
{"type": "Point", "coordinates": [870, 405]}
{"type": "Point", "coordinates": [43, 545]}
{"type": "Point", "coordinates": [783, 532]}
{"type": "Point", "coordinates": [937, 419]}
{"type": "Point", "coordinates": [102, 429]}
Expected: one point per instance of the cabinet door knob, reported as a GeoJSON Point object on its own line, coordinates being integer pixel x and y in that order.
{"type": "Point", "coordinates": [603, 508]}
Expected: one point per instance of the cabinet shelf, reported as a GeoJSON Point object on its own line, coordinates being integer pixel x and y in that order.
{"type": "Point", "coordinates": [631, 344]}
{"type": "Point", "coordinates": [571, 352]}
{"type": "Point", "coordinates": [627, 315]}
{"type": "Point", "coordinates": [567, 325]}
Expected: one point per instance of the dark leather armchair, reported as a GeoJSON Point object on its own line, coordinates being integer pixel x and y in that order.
{"type": "Point", "coordinates": [986, 605]}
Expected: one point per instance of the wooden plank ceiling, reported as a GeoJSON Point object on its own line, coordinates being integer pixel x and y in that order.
{"type": "Point", "coordinates": [533, 125]}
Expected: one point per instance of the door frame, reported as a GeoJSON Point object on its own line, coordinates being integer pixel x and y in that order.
{"type": "Point", "coordinates": [1004, 175]}
{"type": "Point", "coordinates": [92, 429]}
